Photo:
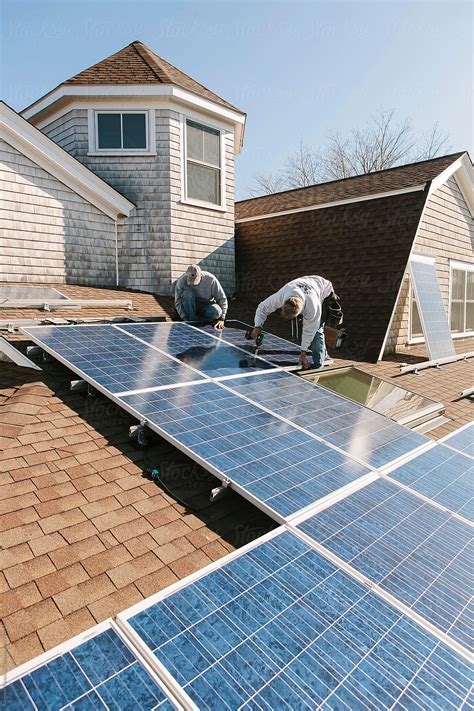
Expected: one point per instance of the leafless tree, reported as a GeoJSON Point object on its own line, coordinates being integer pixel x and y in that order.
{"type": "Point", "coordinates": [382, 143]}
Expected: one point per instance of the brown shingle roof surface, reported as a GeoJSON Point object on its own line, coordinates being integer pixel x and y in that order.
{"type": "Point", "coordinates": [362, 248]}
{"type": "Point", "coordinates": [137, 64]}
{"type": "Point", "coordinates": [402, 177]}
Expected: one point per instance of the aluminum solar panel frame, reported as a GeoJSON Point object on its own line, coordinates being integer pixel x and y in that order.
{"type": "Point", "coordinates": [277, 625]}
{"type": "Point", "coordinates": [442, 476]}
{"type": "Point", "coordinates": [110, 360]}
{"type": "Point", "coordinates": [417, 554]}
{"type": "Point", "coordinates": [205, 353]}
{"type": "Point", "coordinates": [462, 440]}
{"type": "Point", "coordinates": [430, 307]}
{"type": "Point", "coordinates": [272, 463]}
{"type": "Point", "coordinates": [361, 433]}
{"type": "Point", "coordinates": [273, 349]}
{"type": "Point", "coordinates": [98, 669]}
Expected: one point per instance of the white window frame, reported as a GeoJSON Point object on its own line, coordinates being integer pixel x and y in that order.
{"type": "Point", "coordinates": [94, 149]}
{"type": "Point", "coordinates": [221, 207]}
{"type": "Point", "coordinates": [412, 339]}
{"type": "Point", "coordinates": [465, 267]}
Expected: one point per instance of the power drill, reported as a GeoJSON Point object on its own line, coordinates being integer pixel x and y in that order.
{"type": "Point", "coordinates": [258, 340]}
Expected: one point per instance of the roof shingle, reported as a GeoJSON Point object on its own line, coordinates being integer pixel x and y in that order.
{"type": "Point", "coordinates": [398, 178]}
{"type": "Point", "coordinates": [137, 64]}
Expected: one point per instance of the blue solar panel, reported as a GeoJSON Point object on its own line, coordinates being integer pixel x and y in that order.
{"type": "Point", "coordinates": [101, 673]}
{"type": "Point", "coordinates": [418, 553]}
{"type": "Point", "coordinates": [360, 432]}
{"type": "Point", "coordinates": [276, 464]}
{"type": "Point", "coordinates": [280, 626]}
{"type": "Point", "coordinates": [197, 349]}
{"type": "Point", "coordinates": [462, 440]}
{"type": "Point", "coordinates": [443, 475]}
{"type": "Point", "coordinates": [111, 358]}
{"type": "Point", "coordinates": [431, 309]}
{"type": "Point", "coordinates": [274, 349]}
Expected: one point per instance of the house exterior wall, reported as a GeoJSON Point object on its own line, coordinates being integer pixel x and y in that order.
{"type": "Point", "coordinates": [163, 235]}
{"type": "Point", "coordinates": [447, 233]}
{"type": "Point", "coordinates": [49, 233]}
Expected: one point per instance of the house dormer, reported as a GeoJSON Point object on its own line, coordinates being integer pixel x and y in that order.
{"type": "Point", "coordinates": [167, 143]}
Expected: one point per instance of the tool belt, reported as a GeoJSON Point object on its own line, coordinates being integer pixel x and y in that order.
{"type": "Point", "coordinates": [331, 311]}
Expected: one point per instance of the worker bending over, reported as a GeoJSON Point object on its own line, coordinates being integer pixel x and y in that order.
{"type": "Point", "coordinates": [311, 296]}
{"type": "Point", "coordinates": [200, 297]}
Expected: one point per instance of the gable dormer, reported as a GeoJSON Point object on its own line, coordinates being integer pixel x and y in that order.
{"type": "Point", "coordinates": [168, 144]}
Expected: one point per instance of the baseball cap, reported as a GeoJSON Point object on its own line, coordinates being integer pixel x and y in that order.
{"type": "Point", "coordinates": [193, 274]}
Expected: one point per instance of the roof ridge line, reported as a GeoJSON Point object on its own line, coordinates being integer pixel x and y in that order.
{"type": "Point", "coordinates": [353, 177]}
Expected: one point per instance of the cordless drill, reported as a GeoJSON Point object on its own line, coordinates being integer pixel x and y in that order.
{"type": "Point", "coordinates": [258, 340]}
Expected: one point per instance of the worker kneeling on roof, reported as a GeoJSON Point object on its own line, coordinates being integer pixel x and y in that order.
{"type": "Point", "coordinates": [313, 297]}
{"type": "Point", "coordinates": [200, 297]}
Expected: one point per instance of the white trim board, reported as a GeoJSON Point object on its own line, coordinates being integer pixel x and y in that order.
{"type": "Point", "coordinates": [29, 141]}
{"type": "Point", "coordinates": [334, 203]}
{"type": "Point", "coordinates": [157, 92]}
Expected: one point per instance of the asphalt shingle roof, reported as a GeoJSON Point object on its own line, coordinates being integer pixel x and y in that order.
{"type": "Point", "coordinates": [399, 178]}
{"type": "Point", "coordinates": [137, 64]}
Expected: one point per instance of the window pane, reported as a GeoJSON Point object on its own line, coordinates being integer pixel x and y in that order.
{"type": "Point", "coordinates": [134, 131]}
{"type": "Point", "coordinates": [470, 316]}
{"type": "Point", "coordinates": [195, 144]}
{"type": "Point", "coordinates": [458, 284]}
{"type": "Point", "coordinates": [211, 147]}
{"type": "Point", "coordinates": [203, 183]}
{"type": "Point", "coordinates": [108, 126]}
{"type": "Point", "coordinates": [416, 329]}
{"type": "Point", "coordinates": [457, 316]}
{"type": "Point", "coordinates": [470, 286]}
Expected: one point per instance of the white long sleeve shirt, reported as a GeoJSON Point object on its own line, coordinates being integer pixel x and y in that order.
{"type": "Point", "coordinates": [209, 289]}
{"type": "Point", "coordinates": [312, 290]}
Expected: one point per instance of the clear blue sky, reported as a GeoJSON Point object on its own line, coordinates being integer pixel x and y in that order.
{"type": "Point", "coordinates": [299, 69]}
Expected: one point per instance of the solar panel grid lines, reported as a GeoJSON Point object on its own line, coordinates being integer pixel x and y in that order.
{"type": "Point", "coordinates": [440, 475]}
{"type": "Point", "coordinates": [97, 669]}
{"type": "Point", "coordinates": [205, 353]}
{"type": "Point", "coordinates": [277, 625]}
{"type": "Point", "coordinates": [417, 556]}
{"type": "Point", "coordinates": [462, 440]}
{"type": "Point", "coordinates": [112, 362]}
{"type": "Point", "coordinates": [269, 461]}
{"type": "Point", "coordinates": [431, 308]}
{"type": "Point", "coordinates": [361, 433]}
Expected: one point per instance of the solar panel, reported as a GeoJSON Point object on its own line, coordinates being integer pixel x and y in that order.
{"type": "Point", "coordinates": [443, 475]}
{"type": "Point", "coordinates": [100, 673]}
{"type": "Point", "coordinates": [462, 440]}
{"type": "Point", "coordinates": [269, 460]}
{"type": "Point", "coordinates": [274, 349]}
{"type": "Point", "coordinates": [110, 358]}
{"type": "Point", "coordinates": [193, 347]}
{"type": "Point", "coordinates": [280, 626]}
{"type": "Point", "coordinates": [362, 433]}
{"type": "Point", "coordinates": [418, 553]}
{"type": "Point", "coordinates": [431, 308]}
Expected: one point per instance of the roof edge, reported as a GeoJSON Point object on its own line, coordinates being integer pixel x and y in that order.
{"type": "Point", "coordinates": [23, 136]}
{"type": "Point", "coordinates": [335, 203]}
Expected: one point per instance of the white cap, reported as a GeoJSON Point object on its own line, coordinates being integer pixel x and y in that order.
{"type": "Point", "coordinates": [193, 274]}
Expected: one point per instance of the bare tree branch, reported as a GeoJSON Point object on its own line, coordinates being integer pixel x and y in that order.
{"type": "Point", "coordinates": [382, 143]}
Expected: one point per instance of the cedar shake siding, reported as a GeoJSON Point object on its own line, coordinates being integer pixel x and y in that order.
{"type": "Point", "coordinates": [361, 247]}
{"type": "Point", "coordinates": [447, 233]}
{"type": "Point", "coordinates": [49, 233]}
{"type": "Point", "coordinates": [163, 235]}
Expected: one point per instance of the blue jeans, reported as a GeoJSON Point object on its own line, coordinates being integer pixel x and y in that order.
{"type": "Point", "coordinates": [199, 310]}
{"type": "Point", "coordinates": [318, 348]}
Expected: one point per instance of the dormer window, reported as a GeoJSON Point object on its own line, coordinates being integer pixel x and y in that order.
{"type": "Point", "coordinates": [115, 132]}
